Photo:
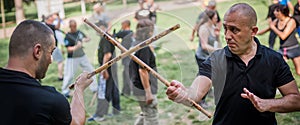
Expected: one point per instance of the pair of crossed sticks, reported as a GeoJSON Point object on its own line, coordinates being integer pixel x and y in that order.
{"type": "Point", "coordinates": [129, 52]}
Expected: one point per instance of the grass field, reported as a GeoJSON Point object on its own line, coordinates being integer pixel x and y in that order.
{"type": "Point", "coordinates": [175, 60]}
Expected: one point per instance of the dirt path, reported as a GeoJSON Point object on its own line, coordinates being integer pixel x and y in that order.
{"type": "Point", "coordinates": [165, 6]}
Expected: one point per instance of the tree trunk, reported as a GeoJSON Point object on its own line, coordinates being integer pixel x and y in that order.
{"type": "Point", "coordinates": [19, 11]}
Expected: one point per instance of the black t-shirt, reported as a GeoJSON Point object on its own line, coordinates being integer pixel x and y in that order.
{"type": "Point", "coordinates": [24, 101]}
{"type": "Point", "coordinates": [264, 73]}
{"type": "Point", "coordinates": [126, 36]}
{"type": "Point", "coordinates": [148, 58]}
{"type": "Point", "coordinates": [72, 39]}
{"type": "Point", "coordinates": [105, 47]}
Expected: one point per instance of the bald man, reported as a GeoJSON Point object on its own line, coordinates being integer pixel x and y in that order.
{"type": "Point", "coordinates": [24, 101]}
{"type": "Point", "coordinates": [245, 76]}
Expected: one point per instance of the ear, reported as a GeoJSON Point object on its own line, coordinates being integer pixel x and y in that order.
{"type": "Point", "coordinates": [37, 51]}
{"type": "Point", "coordinates": [254, 30]}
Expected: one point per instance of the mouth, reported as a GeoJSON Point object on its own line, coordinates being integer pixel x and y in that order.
{"type": "Point", "coordinates": [231, 44]}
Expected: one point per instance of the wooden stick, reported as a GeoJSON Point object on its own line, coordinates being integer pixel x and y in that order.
{"type": "Point", "coordinates": [145, 66]}
{"type": "Point", "coordinates": [126, 53]}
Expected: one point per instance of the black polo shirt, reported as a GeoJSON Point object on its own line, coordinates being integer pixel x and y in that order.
{"type": "Point", "coordinates": [264, 73]}
{"type": "Point", "coordinates": [24, 101]}
{"type": "Point", "coordinates": [147, 56]}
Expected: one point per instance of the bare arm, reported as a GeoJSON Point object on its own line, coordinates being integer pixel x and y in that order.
{"type": "Point", "coordinates": [290, 27]}
{"type": "Point", "coordinates": [77, 104]}
{"type": "Point", "coordinates": [86, 39]}
{"type": "Point", "coordinates": [288, 103]}
{"type": "Point", "coordinates": [73, 48]}
{"type": "Point", "coordinates": [263, 31]}
{"type": "Point", "coordinates": [106, 58]}
{"type": "Point", "coordinates": [178, 93]}
{"type": "Point", "coordinates": [291, 8]}
{"type": "Point", "coordinates": [144, 75]}
{"type": "Point", "coordinates": [203, 36]}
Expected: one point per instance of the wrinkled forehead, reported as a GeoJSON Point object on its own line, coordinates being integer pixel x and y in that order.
{"type": "Point", "coordinates": [236, 19]}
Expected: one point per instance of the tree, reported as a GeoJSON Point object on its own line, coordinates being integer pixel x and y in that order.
{"type": "Point", "coordinates": [19, 11]}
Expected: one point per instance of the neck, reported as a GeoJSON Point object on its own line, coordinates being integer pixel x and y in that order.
{"type": "Point", "coordinates": [249, 52]}
{"type": "Point", "coordinates": [14, 64]}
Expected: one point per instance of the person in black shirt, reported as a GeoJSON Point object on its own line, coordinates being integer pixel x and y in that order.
{"type": "Point", "coordinates": [126, 35]}
{"type": "Point", "coordinates": [24, 101]}
{"type": "Point", "coordinates": [108, 81]}
{"type": "Point", "coordinates": [145, 84]}
{"type": "Point", "coordinates": [245, 76]}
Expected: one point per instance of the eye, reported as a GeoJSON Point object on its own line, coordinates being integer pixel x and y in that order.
{"type": "Point", "coordinates": [234, 30]}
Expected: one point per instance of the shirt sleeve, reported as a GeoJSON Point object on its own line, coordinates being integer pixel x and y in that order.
{"type": "Point", "coordinates": [205, 68]}
{"type": "Point", "coordinates": [283, 73]}
{"type": "Point", "coordinates": [107, 47]}
{"type": "Point", "coordinates": [61, 111]}
{"type": "Point", "coordinates": [144, 55]}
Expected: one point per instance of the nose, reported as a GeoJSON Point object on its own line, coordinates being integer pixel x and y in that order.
{"type": "Point", "coordinates": [227, 35]}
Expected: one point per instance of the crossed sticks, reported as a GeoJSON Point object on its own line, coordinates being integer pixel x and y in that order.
{"type": "Point", "coordinates": [129, 52]}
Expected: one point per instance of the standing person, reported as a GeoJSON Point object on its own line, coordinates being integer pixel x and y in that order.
{"type": "Point", "coordinates": [145, 84]}
{"type": "Point", "coordinates": [57, 54]}
{"type": "Point", "coordinates": [99, 15]}
{"type": "Point", "coordinates": [207, 40]}
{"type": "Point", "coordinates": [152, 7]}
{"type": "Point", "coordinates": [76, 57]}
{"type": "Point", "coordinates": [24, 100]}
{"type": "Point", "coordinates": [108, 81]}
{"type": "Point", "coordinates": [296, 16]}
{"type": "Point", "coordinates": [270, 18]}
{"type": "Point", "coordinates": [126, 35]}
{"type": "Point", "coordinates": [210, 6]}
{"type": "Point", "coordinates": [285, 27]}
{"type": "Point", "coordinates": [243, 77]}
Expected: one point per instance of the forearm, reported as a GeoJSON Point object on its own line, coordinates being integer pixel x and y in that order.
{"type": "Point", "coordinates": [199, 88]}
{"type": "Point", "coordinates": [78, 108]}
{"type": "Point", "coordinates": [263, 31]}
{"type": "Point", "coordinates": [144, 75]}
{"type": "Point", "coordinates": [288, 103]}
{"type": "Point", "coordinates": [106, 57]}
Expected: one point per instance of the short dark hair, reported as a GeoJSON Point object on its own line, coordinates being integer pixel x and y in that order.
{"type": "Point", "coordinates": [144, 29]}
{"type": "Point", "coordinates": [127, 22]}
{"type": "Point", "coordinates": [283, 9]}
{"type": "Point", "coordinates": [27, 34]}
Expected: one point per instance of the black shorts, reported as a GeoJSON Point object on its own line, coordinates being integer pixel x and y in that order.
{"type": "Point", "coordinates": [290, 53]}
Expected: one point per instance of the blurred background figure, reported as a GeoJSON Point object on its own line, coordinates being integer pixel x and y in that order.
{"type": "Point", "coordinates": [76, 57]}
{"type": "Point", "coordinates": [126, 35]}
{"type": "Point", "coordinates": [108, 81]}
{"type": "Point", "coordinates": [57, 53]}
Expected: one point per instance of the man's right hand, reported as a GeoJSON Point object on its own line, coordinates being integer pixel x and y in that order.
{"type": "Point", "coordinates": [177, 92]}
{"type": "Point", "coordinates": [82, 81]}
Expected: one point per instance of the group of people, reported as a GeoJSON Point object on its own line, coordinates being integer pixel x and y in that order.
{"type": "Point", "coordinates": [245, 74]}
{"type": "Point", "coordinates": [284, 24]}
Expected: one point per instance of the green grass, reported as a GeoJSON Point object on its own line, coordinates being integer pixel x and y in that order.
{"type": "Point", "coordinates": [175, 60]}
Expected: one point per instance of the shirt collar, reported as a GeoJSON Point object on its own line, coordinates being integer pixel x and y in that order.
{"type": "Point", "coordinates": [228, 53]}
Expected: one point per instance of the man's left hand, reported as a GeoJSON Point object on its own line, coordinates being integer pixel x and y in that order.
{"type": "Point", "coordinates": [260, 104]}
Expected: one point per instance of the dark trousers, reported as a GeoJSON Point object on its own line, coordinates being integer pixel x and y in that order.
{"type": "Point", "coordinates": [272, 38]}
{"type": "Point", "coordinates": [111, 94]}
